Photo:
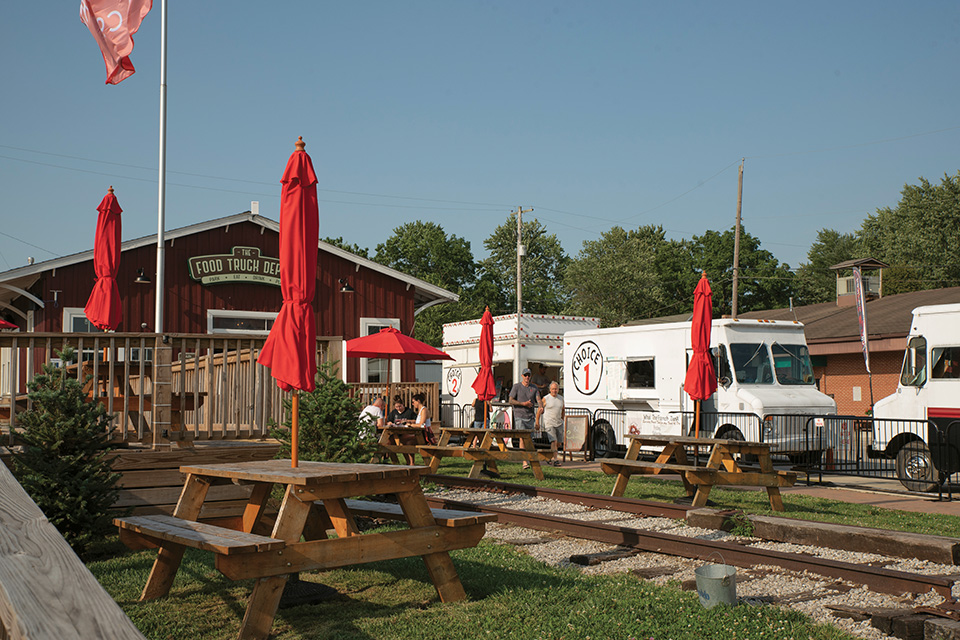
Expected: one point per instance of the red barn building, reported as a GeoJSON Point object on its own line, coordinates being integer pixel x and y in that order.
{"type": "Point", "coordinates": [222, 277]}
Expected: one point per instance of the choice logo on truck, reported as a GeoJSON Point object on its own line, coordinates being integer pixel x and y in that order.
{"type": "Point", "coordinates": [765, 383]}
{"type": "Point", "coordinates": [586, 368]}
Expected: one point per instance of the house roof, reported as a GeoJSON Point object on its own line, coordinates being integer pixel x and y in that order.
{"type": "Point", "coordinates": [887, 317]}
{"type": "Point", "coordinates": [15, 282]}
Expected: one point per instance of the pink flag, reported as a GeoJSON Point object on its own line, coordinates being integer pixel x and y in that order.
{"type": "Point", "coordinates": [113, 23]}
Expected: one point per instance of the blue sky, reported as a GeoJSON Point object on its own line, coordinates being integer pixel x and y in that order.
{"type": "Point", "coordinates": [593, 113]}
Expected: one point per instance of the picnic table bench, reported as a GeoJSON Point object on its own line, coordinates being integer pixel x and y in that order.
{"type": "Point", "coordinates": [487, 446]}
{"type": "Point", "coordinates": [315, 501]}
{"type": "Point", "coordinates": [722, 466]}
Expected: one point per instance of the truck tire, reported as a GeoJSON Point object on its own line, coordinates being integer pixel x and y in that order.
{"type": "Point", "coordinates": [603, 440]}
{"type": "Point", "coordinates": [915, 469]}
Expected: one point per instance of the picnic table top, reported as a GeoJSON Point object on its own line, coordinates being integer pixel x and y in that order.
{"type": "Point", "coordinates": [688, 440]}
{"type": "Point", "coordinates": [498, 431]}
{"type": "Point", "coordinates": [306, 473]}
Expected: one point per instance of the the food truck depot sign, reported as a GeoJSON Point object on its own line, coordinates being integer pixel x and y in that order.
{"type": "Point", "coordinates": [245, 264]}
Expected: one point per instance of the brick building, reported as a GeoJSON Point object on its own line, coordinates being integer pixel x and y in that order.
{"type": "Point", "coordinates": [833, 335]}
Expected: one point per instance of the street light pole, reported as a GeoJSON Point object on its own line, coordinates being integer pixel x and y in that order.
{"type": "Point", "coordinates": [520, 252]}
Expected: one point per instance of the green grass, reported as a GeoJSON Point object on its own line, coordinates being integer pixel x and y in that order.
{"type": "Point", "coordinates": [510, 596]}
{"type": "Point", "coordinates": [752, 502]}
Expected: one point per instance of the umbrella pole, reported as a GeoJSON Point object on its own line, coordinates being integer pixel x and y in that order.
{"type": "Point", "coordinates": [696, 432]}
{"type": "Point", "coordinates": [294, 420]}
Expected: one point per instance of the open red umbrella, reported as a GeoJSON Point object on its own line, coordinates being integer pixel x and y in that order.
{"type": "Point", "coordinates": [7, 325]}
{"type": "Point", "coordinates": [103, 308]}
{"type": "Point", "coordinates": [484, 385]}
{"type": "Point", "coordinates": [701, 380]}
{"type": "Point", "coordinates": [389, 343]}
{"type": "Point", "coordinates": [290, 350]}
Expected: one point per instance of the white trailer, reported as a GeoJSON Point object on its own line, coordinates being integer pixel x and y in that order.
{"type": "Point", "coordinates": [763, 369]}
{"type": "Point", "coordinates": [929, 390]}
{"type": "Point", "coordinates": [541, 341]}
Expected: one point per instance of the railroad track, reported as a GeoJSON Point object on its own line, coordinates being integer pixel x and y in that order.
{"type": "Point", "coordinates": [878, 579]}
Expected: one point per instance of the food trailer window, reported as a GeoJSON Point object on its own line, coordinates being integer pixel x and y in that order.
{"type": "Point", "coordinates": [640, 374]}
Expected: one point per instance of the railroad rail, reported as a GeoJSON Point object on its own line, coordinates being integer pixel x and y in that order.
{"type": "Point", "coordinates": [877, 579]}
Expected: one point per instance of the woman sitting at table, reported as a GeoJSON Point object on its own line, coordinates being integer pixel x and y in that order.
{"type": "Point", "coordinates": [423, 417]}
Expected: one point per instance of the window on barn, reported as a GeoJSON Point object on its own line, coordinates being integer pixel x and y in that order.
{"type": "Point", "coordinates": [375, 369]}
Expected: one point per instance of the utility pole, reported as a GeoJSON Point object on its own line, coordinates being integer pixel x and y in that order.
{"type": "Point", "coordinates": [520, 253]}
{"type": "Point", "coordinates": [736, 244]}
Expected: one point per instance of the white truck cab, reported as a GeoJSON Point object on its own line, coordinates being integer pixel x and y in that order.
{"type": "Point", "coordinates": [928, 394]}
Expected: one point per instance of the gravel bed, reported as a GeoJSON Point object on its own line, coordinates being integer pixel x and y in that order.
{"type": "Point", "coordinates": [802, 591]}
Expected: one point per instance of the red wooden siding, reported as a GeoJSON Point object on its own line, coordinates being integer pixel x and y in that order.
{"type": "Point", "coordinates": [186, 301]}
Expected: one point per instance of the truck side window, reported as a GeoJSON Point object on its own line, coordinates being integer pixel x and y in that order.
{"type": "Point", "coordinates": [946, 363]}
{"type": "Point", "coordinates": [640, 374]}
{"type": "Point", "coordinates": [721, 365]}
{"type": "Point", "coordinates": [914, 373]}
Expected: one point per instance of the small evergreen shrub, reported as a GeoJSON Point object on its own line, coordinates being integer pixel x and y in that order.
{"type": "Point", "coordinates": [64, 464]}
{"type": "Point", "coordinates": [329, 427]}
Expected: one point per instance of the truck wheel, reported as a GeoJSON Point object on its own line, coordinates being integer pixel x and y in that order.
{"type": "Point", "coordinates": [604, 442]}
{"type": "Point", "coordinates": [915, 469]}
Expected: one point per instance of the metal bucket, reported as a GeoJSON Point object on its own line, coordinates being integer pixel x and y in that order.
{"type": "Point", "coordinates": [716, 584]}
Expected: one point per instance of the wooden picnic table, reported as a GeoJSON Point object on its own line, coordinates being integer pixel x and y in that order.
{"type": "Point", "coordinates": [315, 501]}
{"type": "Point", "coordinates": [391, 443]}
{"type": "Point", "coordinates": [722, 467]}
{"type": "Point", "coordinates": [487, 446]}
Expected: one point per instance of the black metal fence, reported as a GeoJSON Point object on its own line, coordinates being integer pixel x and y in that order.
{"type": "Point", "coordinates": [922, 454]}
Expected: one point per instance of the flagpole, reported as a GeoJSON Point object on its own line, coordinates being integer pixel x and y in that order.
{"type": "Point", "coordinates": [161, 196]}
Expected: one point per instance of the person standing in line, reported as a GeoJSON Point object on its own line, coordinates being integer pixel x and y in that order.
{"type": "Point", "coordinates": [550, 416]}
{"type": "Point", "coordinates": [524, 398]}
{"type": "Point", "coordinates": [479, 408]}
{"type": "Point", "coordinates": [372, 418]}
{"type": "Point", "coordinates": [541, 381]}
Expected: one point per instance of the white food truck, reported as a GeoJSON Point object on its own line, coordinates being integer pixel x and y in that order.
{"type": "Point", "coordinates": [763, 370]}
{"type": "Point", "coordinates": [929, 390]}
{"type": "Point", "coordinates": [541, 341]}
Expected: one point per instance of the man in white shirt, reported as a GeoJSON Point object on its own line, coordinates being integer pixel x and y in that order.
{"type": "Point", "coordinates": [372, 417]}
{"type": "Point", "coordinates": [550, 418]}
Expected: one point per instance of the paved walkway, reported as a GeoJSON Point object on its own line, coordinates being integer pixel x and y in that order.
{"type": "Point", "coordinates": [881, 492]}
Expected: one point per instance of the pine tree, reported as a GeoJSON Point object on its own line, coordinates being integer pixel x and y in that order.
{"type": "Point", "coordinates": [329, 427]}
{"type": "Point", "coordinates": [64, 464]}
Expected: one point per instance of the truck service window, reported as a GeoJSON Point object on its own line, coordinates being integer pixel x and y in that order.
{"type": "Point", "coordinates": [914, 372]}
{"type": "Point", "coordinates": [792, 364]}
{"type": "Point", "coordinates": [640, 374]}
{"type": "Point", "coordinates": [751, 362]}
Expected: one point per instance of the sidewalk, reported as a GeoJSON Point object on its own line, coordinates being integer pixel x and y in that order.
{"type": "Point", "coordinates": [885, 493]}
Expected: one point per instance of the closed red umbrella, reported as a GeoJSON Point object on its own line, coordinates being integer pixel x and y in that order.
{"type": "Point", "coordinates": [290, 350]}
{"type": "Point", "coordinates": [701, 380]}
{"type": "Point", "coordinates": [103, 308]}
{"type": "Point", "coordinates": [484, 385]}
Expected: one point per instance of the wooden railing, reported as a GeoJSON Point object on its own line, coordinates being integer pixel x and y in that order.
{"type": "Point", "coordinates": [45, 589]}
{"type": "Point", "coordinates": [367, 392]}
{"type": "Point", "coordinates": [159, 387]}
